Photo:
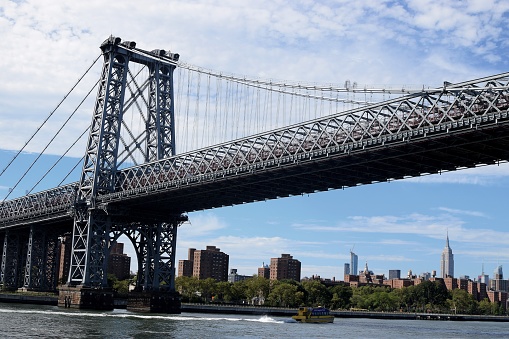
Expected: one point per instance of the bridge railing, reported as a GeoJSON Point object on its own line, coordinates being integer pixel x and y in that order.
{"type": "Point", "coordinates": [453, 106]}
{"type": "Point", "coordinates": [42, 204]}
{"type": "Point", "coordinates": [461, 104]}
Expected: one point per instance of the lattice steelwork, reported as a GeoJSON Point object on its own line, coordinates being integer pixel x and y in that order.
{"type": "Point", "coordinates": [474, 108]}
{"type": "Point", "coordinates": [160, 132]}
{"type": "Point", "coordinates": [431, 114]}
{"type": "Point", "coordinates": [41, 262]}
{"type": "Point", "coordinates": [13, 259]}
{"type": "Point", "coordinates": [92, 225]}
{"type": "Point", "coordinates": [155, 245]}
{"type": "Point", "coordinates": [456, 126]}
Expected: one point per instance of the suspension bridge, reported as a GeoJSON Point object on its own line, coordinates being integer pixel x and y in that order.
{"type": "Point", "coordinates": [242, 140]}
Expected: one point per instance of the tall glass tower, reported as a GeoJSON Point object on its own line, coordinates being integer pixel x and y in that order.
{"type": "Point", "coordinates": [447, 262]}
{"type": "Point", "coordinates": [354, 260]}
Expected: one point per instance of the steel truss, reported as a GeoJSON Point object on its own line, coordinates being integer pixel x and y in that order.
{"type": "Point", "coordinates": [13, 259]}
{"type": "Point", "coordinates": [449, 109]}
{"type": "Point", "coordinates": [41, 261]}
{"type": "Point", "coordinates": [155, 245]}
{"type": "Point", "coordinates": [452, 108]}
{"type": "Point", "coordinates": [92, 225]}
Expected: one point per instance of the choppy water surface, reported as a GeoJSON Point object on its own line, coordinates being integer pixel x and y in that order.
{"type": "Point", "coordinates": [30, 321]}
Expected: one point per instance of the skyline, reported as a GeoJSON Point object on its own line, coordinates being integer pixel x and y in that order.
{"type": "Point", "coordinates": [46, 46]}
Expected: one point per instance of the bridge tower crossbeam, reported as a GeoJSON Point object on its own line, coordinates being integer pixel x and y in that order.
{"type": "Point", "coordinates": [95, 222]}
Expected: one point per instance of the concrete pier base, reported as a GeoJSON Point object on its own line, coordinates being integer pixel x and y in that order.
{"type": "Point", "coordinates": [154, 302]}
{"type": "Point", "coordinates": [85, 298]}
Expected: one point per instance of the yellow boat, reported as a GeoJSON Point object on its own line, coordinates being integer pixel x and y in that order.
{"type": "Point", "coordinates": [313, 315]}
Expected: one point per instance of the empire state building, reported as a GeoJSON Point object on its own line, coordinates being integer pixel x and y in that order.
{"type": "Point", "coordinates": [447, 262]}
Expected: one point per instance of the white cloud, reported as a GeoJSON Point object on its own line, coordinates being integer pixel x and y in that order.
{"type": "Point", "coordinates": [200, 225]}
{"type": "Point", "coordinates": [462, 212]}
{"type": "Point", "coordinates": [431, 226]}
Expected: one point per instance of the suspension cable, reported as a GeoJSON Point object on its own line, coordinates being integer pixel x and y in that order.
{"type": "Point", "coordinates": [48, 117]}
{"type": "Point", "coordinates": [59, 159]}
{"type": "Point", "coordinates": [51, 141]}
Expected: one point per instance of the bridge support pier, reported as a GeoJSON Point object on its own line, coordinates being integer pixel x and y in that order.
{"type": "Point", "coordinates": [85, 298]}
{"type": "Point", "coordinates": [13, 259]}
{"type": "Point", "coordinates": [154, 302]}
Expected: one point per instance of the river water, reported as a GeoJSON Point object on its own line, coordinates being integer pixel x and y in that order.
{"type": "Point", "coordinates": [30, 321]}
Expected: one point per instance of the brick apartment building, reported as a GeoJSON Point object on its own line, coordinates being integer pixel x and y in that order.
{"type": "Point", "coordinates": [285, 267]}
{"type": "Point", "coordinates": [203, 264]}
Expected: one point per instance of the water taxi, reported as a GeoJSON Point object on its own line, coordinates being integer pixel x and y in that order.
{"type": "Point", "coordinates": [313, 315]}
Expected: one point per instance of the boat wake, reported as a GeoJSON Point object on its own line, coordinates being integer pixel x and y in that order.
{"type": "Point", "coordinates": [266, 319]}
{"type": "Point", "coordinates": [126, 314]}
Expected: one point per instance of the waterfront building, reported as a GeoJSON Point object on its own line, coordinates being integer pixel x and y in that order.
{"type": "Point", "coordinates": [264, 271]}
{"type": "Point", "coordinates": [185, 268]}
{"type": "Point", "coordinates": [498, 283]}
{"type": "Point", "coordinates": [285, 267]}
{"type": "Point", "coordinates": [398, 283]}
{"type": "Point", "coordinates": [447, 262]}
{"type": "Point", "coordinates": [477, 290]}
{"type": "Point", "coordinates": [210, 263]}
{"type": "Point", "coordinates": [455, 283]}
{"type": "Point", "coordinates": [233, 277]}
{"type": "Point", "coordinates": [394, 274]}
{"type": "Point", "coordinates": [203, 264]}
{"type": "Point", "coordinates": [499, 297]}
{"type": "Point", "coordinates": [354, 261]}
{"type": "Point", "coordinates": [119, 263]}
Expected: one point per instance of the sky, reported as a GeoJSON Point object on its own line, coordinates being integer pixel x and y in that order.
{"type": "Point", "coordinates": [47, 45]}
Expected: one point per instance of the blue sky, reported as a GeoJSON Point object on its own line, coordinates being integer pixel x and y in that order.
{"type": "Point", "coordinates": [46, 45]}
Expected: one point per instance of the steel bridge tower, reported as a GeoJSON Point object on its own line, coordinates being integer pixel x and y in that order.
{"type": "Point", "coordinates": [97, 226]}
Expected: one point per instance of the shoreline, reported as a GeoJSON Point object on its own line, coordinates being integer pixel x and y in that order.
{"type": "Point", "coordinates": [261, 310]}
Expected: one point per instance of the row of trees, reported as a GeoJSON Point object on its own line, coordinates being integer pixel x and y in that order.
{"type": "Point", "coordinates": [426, 297]}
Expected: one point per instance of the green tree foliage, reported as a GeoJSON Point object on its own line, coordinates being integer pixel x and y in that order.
{"type": "Point", "coordinates": [223, 291]}
{"type": "Point", "coordinates": [207, 288]}
{"type": "Point", "coordinates": [317, 293]}
{"type": "Point", "coordinates": [484, 307]}
{"type": "Point", "coordinates": [427, 296]}
{"type": "Point", "coordinates": [189, 288]}
{"type": "Point", "coordinates": [341, 295]}
{"type": "Point", "coordinates": [119, 286]}
{"type": "Point", "coordinates": [284, 294]}
{"type": "Point", "coordinates": [463, 302]}
{"type": "Point", "coordinates": [432, 293]}
{"type": "Point", "coordinates": [257, 288]}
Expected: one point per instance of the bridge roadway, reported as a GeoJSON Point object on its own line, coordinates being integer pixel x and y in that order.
{"type": "Point", "coordinates": [362, 146]}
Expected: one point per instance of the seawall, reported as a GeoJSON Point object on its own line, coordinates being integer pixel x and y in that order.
{"type": "Point", "coordinates": [260, 310]}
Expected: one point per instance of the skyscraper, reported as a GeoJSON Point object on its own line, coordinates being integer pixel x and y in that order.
{"type": "Point", "coordinates": [346, 269]}
{"type": "Point", "coordinates": [354, 260]}
{"type": "Point", "coordinates": [447, 262]}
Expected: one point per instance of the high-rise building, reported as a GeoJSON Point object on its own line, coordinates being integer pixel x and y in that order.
{"type": "Point", "coordinates": [284, 268]}
{"type": "Point", "coordinates": [447, 262]}
{"type": "Point", "coordinates": [498, 283]}
{"type": "Point", "coordinates": [264, 271]}
{"type": "Point", "coordinates": [354, 261]}
{"type": "Point", "coordinates": [185, 268]}
{"type": "Point", "coordinates": [119, 263]}
{"type": "Point", "coordinates": [346, 270]}
{"type": "Point", "coordinates": [394, 274]}
{"type": "Point", "coordinates": [210, 263]}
